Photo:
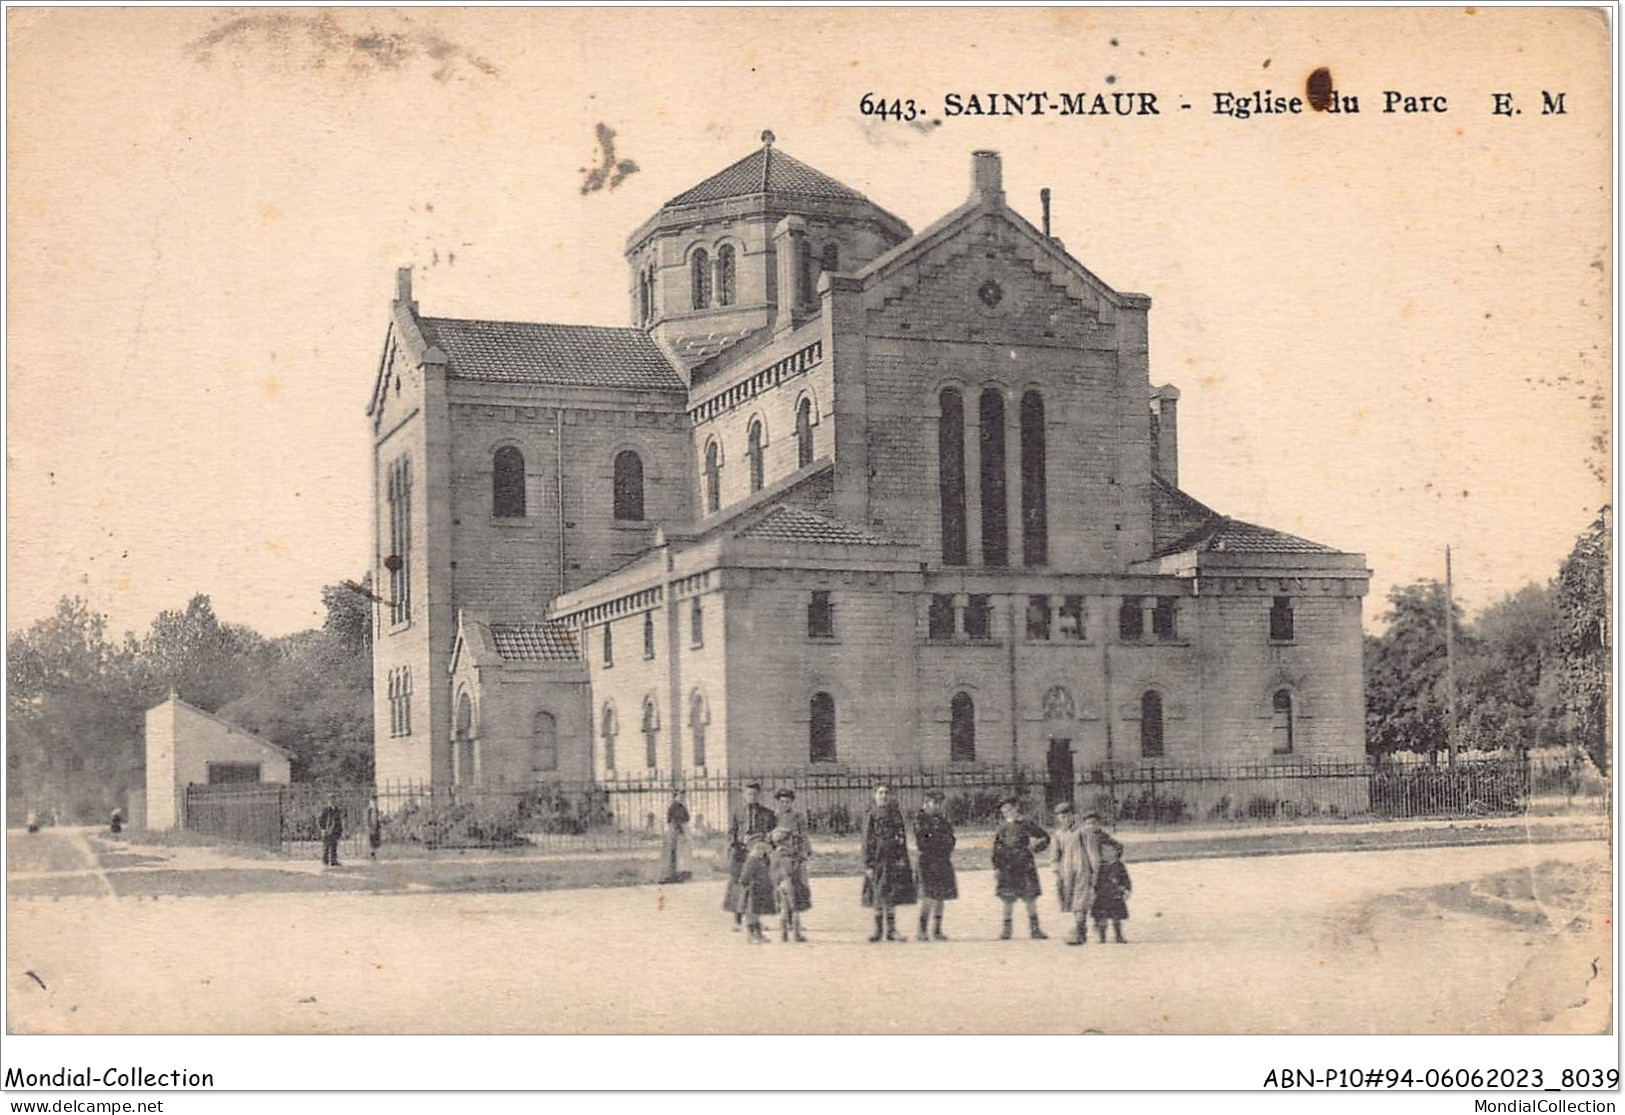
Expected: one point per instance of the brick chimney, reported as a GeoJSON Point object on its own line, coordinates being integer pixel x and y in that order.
{"type": "Point", "coordinates": [987, 177]}
{"type": "Point", "coordinates": [403, 287]}
{"type": "Point", "coordinates": [1165, 432]}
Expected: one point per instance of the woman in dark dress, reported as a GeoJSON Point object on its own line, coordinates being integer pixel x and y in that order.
{"type": "Point", "coordinates": [934, 837]}
{"type": "Point", "coordinates": [1015, 872]}
{"type": "Point", "coordinates": [888, 881]}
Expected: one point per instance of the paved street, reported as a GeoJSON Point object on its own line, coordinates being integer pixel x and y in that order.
{"type": "Point", "coordinates": [1507, 938]}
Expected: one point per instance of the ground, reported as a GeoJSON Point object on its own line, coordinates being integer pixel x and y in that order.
{"type": "Point", "coordinates": [1489, 938]}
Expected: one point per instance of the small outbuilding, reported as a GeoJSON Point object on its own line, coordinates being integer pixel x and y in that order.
{"type": "Point", "coordinates": [187, 746]}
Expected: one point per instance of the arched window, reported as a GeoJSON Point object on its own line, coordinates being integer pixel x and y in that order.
{"type": "Point", "coordinates": [628, 487]}
{"type": "Point", "coordinates": [1034, 512]}
{"type": "Point", "coordinates": [544, 743]}
{"type": "Point", "coordinates": [462, 752]}
{"type": "Point", "coordinates": [713, 477]}
{"type": "Point", "coordinates": [1058, 703]}
{"type": "Point", "coordinates": [606, 732]}
{"type": "Point", "coordinates": [1151, 724]}
{"type": "Point", "coordinates": [1282, 727]}
{"type": "Point", "coordinates": [725, 275]}
{"type": "Point", "coordinates": [831, 259]}
{"type": "Point", "coordinates": [648, 634]}
{"type": "Point", "coordinates": [821, 729]}
{"type": "Point", "coordinates": [804, 273]}
{"type": "Point", "coordinates": [951, 475]}
{"type": "Point", "coordinates": [804, 433]}
{"type": "Point", "coordinates": [698, 717]}
{"type": "Point", "coordinates": [962, 729]}
{"type": "Point", "coordinates": [700, 276]}
{"type": "Point", "coordinates": [995, 526]}
{"type": "Point", "coordinates": [508, 483]}
{"type": "Point", "coordinates": [753, 454]}
{"type": "Point", "coordinates": [643, 296]}
{"type": "Point", "coordinates": [654, 299]}
{"type": "Point", "coordinates": [651, 734]}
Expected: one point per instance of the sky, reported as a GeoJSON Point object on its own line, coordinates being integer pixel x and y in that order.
{"type": "Point", "coordinates": [1391, 331]}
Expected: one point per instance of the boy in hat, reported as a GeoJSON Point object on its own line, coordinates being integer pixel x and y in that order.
{"type": "Point", "coordinates": [750, 887]}
{"type": "Point", "coordinates": [888, 881]}
{"type": "Point", "coordinates": [1014, 871]}
{"type": "Point", "coordinates": [934, 837]}
{"type": "Point", "coordinates": [1076, 858]}
{"type": "Point", "coordinates": [1112, 888]}
{"type": "Point", "coordinates": [787, 863]}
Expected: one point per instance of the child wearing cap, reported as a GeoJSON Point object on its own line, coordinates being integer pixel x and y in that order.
{"type": "Point", "coordinates": [934, 837]}
{"type": "Point", "coordinates": [788, 865]}
{"type": "Point", "coordinates": [1112, 888]}
{"type": "Point", "coordinates": [1014, 870]}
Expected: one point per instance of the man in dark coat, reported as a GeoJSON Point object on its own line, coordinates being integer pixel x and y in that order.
{"type": "Point", "coordinates": [1015, 873]}
{"type": "Point", "coordinates": [331, 825]}
{"type": "Point", "coordinates": [888, 881]}
{"type": "Point", "coordinates": [750, 883]}
{"type": "Point", "coordinates": [934, 837]}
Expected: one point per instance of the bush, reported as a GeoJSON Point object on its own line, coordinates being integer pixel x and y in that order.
{"type": "Point", "coordinates": [1152, 806]}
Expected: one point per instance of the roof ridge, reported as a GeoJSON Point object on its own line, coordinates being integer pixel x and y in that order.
{"type": "Point", "coordinates": [542, 324]}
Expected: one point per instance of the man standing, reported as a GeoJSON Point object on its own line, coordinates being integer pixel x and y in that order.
{"type": "Point", "coordinates": [934, 837]}
{"type": "Point", "coordinates": [1076, 855]}
{"type": "Point", "coordinates": [673, 852]}
{"type": "Point", "coordinates": [888, 881]}
{"type": "Point", "coordinates": [750, 885]}
{"type": "Point", "coordinates": [331, 825]}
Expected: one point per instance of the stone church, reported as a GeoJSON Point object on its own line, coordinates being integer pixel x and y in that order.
{"type": "Point", "coordinates": [845, 494]}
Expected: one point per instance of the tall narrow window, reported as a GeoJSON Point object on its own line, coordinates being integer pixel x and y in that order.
{"type": "Point", "coordinates": [1034, 510]}
{"type": "Point", "coordinates": [753, 454]}
{"type": "Point", "coordinates": [951, 475]}
{"type": "Point", "coordinates": [1282, 727]}
{"type": "Point", "coordinates": [398, 561]}
{"type": "Point", "coordinates": [648, 635]}
{"type": "Point", "coordinates": [821, 729]}
{"type": "Point", "coordinates": [628, 487]}
{"type": "Point", "coordinates": [544, 743]}
{"type": "Point", "coordinates": [1130, 619]}
{"type": "Point", "coordinates": [725, 275]}
{"type": "Point", "coordinates": [995, 525]}
{"type": "Point", "coordinates": [700, 279]}
{"type": "Point", "coordinates": [609, 644]}
{"type": "Point", "coordinates": [804, 273]}
{"type": "Point", "coordinates": [940, 617]}
{"type": "Point", "coordinates": [1151, 724]}
{"type": "Point", "coordinates": [1071, 618]}
{"type": "Point", "coordinates": [696, 622]}
{"type": "Point", "coordinates": [979, 617]}
{"type": "Point", "coordinates": [820, 616]}
{"type": "Point", "coordinates": [654, 295]}
{"type": "Point", "coordinates": [1162, 617]}
{"type": "Point", "coordinates": [651, 734]}
{"type": "Point", "coordinates": [831, 259]}
{"type": "Point", "coordinates": [644, 307]}
{"type": "Point", "coordinates": [606, 733]}
{"type": "Point", "coordinates": [508, 483]}
{"type": "Point", "coordinates": [713, 477]}
{"type": "Point", "coordinates": [962, 729]}
{"type": "Point", "coordinates": [698, 717]}
{"type": "Point", "coordinates": [1038, 618]}
{"type": "Point", "coordinates": [1281, 619]}
{"type": "Point", "coordinates": [804, 433]}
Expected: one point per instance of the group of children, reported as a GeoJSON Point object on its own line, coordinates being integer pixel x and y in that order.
{"type": "Point", "coordinates": [768, 852]}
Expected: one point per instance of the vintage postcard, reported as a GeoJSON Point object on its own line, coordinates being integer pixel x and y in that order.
{"type": "Point", "coordinates": [548, 523]}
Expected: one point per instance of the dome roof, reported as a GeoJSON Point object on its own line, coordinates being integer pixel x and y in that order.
{"type": "Point", "coordinates": [762, 172]}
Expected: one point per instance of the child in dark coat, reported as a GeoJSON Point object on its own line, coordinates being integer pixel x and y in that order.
{"type": "Point", "coordinates": [934, 837]}
{"type": "Point", "coordinates": [1014, 870]}
{"type": "Point", "coordinates": [1112, 888]}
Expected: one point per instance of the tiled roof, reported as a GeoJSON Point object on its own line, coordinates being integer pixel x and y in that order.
{"type": "Point", "coordinates": [792, 524]}
{"type": "Point", "coordinates": [550, 355]}
{"type": "Point", "coordinates": [1223, 534]}
{"type": "Point", "coordinates": [766, 171]}
{"type": "Point", "coordinates": [534, 642]}
{"type": "Point", "coordinates": [1174, 513]}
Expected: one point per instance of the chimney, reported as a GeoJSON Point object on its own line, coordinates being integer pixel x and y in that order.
{"type": "Point", "coordinates": [403, 287]}
{"type": "Point", "coordinates": [789, 241]}
{"type": "Point", "coordinates": [987, 176]}
{"type": "Point", "coordinates": [1165, 433]}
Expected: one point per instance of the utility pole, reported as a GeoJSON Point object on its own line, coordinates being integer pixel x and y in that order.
{"type": "Point", "coordinates": [1450, 658]}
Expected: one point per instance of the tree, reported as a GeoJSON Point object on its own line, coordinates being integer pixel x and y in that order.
{"type": "Point", "coordinates": [207, 663]}
{"type": "Point", "coordinates": [1506, 699]}
{"type": "Point", "coordinates": [1406, 699]}
{"type": "Point", "coordinates": [1582, 640]}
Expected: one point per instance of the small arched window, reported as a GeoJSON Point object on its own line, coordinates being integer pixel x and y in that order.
{"type": "Point", "coordinates": [628, 487]}
{"type": "Point", "coordinates": [508, 483]}
{"type": "Point", "coordinates": [651, 734]}
{"type": "Point", "coordinates": [648, 635]}
{"type": "Point", "coordinates": [1151, 724]}
{"type": "Point", "coordinates": [753, 454]}
{"type": "Point", "coordinates": [700, 276]}
{"type": "Point", "coordinates": [725, 275]}
{"type": "Point", "coordinates": [713, 477]}
{"type": "Point", "coordinates": [804, 433]}
{"type": "Point", "coordinates": [606, 732]}
{"type": "Point", "coordinates": [698, 717]}
{"type": "Point", "coordinates": [821, 729]}
{"type": "Point", "coordinates": [1281, 729]}
{"type": "Point", "coordinates": [544, 743]}
{"type": "Point", "coordinates": [962, 729]}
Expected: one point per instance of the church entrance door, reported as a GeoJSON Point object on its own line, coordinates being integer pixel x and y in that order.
{"type": "Point", "coordinates": [1059, 787]}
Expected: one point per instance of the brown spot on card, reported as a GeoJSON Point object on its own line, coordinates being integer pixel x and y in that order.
{"type": "Point", "coordinates": [1319, 89]}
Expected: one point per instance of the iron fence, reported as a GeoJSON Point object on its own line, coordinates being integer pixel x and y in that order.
{"type": "Point", "coordinates": [629, 813]}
